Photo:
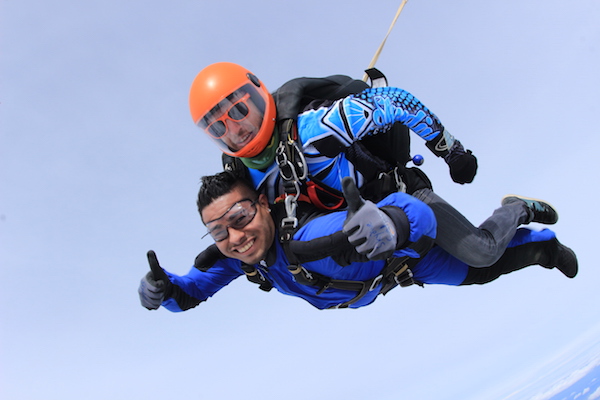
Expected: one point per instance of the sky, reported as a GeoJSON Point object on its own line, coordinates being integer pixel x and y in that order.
{"type": "Point", "coordinates": [100, 162]}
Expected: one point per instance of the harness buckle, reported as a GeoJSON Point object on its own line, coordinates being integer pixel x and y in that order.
{"type": "Point", "coordinates": [405, 278]}
{"type": "Point", "coordinates": [375, 282]}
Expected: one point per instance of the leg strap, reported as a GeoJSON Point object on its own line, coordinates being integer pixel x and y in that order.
{"type": "Point", "coordinates": [397, 272]}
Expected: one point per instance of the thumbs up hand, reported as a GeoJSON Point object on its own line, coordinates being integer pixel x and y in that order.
{"type": "Point", "coordinates": [154, 284]}
{"type": "Point", "coordinates": [368, 228]}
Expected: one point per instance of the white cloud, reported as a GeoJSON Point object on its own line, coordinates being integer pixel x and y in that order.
{"type": "Point", "coordinates": [567, 382]}
{"type": "Point", "coordinates": [595, 395]}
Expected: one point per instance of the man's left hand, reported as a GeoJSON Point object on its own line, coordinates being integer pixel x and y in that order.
{"type": "Point", "coordinates": [368, 228]}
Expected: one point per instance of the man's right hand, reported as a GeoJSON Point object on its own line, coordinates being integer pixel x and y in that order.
{"type": "Point", "coordinates": [151, 291]}
{"type": "Point", "coordinates": [154, 284]}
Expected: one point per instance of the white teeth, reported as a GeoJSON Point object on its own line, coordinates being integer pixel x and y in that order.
{"type": "Point", "coordinates": [246, 247]}
{"type": "Point", "coordinates": [245, 138]}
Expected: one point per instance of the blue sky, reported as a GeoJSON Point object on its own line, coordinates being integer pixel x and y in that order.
{"type": "Point", "coordinates": [100, 162]}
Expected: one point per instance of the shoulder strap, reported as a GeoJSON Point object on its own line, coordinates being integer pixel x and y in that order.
{"type": "Point", "coordinates": [294, 95]}
{"type": "Point", "coordinates": [290, 98]}
{"type": "Point", "coordinates": [235, 165]}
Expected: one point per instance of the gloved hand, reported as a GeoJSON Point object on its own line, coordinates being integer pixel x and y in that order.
{"type": "Point", "coordinates": [151, 291]}
{"type": "Point", "coordinates": [368, 228]}
{"type": "Point", "coordinates": [463, 164]}
{"type": "Point", "coordinates": [154, 285]}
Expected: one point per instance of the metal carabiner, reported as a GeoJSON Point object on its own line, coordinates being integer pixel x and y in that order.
{"type": "Point", "coordinates": [290, 220]}
{"type": "Point", "coordinates": [399, 182]}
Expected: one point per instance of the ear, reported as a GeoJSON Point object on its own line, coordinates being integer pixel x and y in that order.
{"type": "Point", "coordinates": [263, 201]}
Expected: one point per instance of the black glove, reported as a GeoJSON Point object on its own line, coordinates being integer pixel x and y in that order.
{"type": "Point", "coordinates": [463, 164]}
{"type": "Point", "coordinates": [369, 229]}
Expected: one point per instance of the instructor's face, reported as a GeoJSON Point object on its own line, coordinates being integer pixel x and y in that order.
{"type": "Point", "coordinates": [249, 243]}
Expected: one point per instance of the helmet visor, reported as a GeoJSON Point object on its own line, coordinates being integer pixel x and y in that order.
{"type": "Point", "coordinates": [236, 120]}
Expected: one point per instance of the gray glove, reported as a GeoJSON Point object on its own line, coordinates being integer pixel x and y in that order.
{"type": "Point", "coordinates": [154, 284]}
{"type": "Point", "coordinates": [152, 292]}
{"type": "Point", "coordinates": [368, 228]}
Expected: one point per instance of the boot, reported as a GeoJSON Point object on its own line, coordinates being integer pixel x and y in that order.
{"type": "Point", "coordinates": [539, 210]}
{"type": "Point", "coordinates": [549, 254]}
{"type": "Point", "coordinates": [565, 260]}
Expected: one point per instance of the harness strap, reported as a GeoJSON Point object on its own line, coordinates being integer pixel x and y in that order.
{"type": "Point", "coordinates": [293, 168]}
{"type": "Point", "coordinates": [313, 189]}
{"type": "Point", "coordinates": [255, 276]}
{"type": "Point", "coordinates": [396, 272]}
{"type": "Point", "coordinates": [302, 197]}
{"type": "Point", "coordinates": [380, 48]}
{"type": "Point", "coordinates": [293, 171]}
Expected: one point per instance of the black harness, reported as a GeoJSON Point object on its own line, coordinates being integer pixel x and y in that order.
{"type": "Point", "coordinates": [396, 272]}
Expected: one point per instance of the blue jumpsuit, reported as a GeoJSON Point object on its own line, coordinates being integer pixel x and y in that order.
{"type": "Point", "coordinates": [436, 267]}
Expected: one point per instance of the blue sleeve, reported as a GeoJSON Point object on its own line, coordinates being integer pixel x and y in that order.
{"type": "Point", "coordinates": [197, 286]}
{"type": "Point", "coordinates": [420, 217]}
{"type": "Point", "coordinates": [422, 222]}
{"type": "Point", "coordinates": [370, 112]}
{"type": "Point", "coordinates": [389, 105]}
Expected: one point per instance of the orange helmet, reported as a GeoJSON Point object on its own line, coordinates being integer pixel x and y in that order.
{"type": "Point", "coordinates": [233, 107]}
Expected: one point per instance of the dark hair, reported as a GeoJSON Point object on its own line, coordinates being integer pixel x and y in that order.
{"type": "Point", "coordinates": [215, 186]}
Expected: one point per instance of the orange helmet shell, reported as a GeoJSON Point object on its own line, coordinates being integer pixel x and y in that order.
{"type": "Point", "coordinates": [215, 83]}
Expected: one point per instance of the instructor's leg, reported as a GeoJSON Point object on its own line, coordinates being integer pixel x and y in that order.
{"type": "Point", "coordinates": [477, 247]}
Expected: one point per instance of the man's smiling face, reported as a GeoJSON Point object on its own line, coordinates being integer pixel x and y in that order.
{"type": "Point", "coordinates": [249, 243]}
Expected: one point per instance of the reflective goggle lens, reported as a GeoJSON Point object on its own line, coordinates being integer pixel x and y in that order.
{"type": "Point", "coordinates": [237, 217]}
{"type": "Point", "coordinates": [237, 112]}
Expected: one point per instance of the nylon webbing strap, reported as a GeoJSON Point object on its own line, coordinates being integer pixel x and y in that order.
{"type": "Point", "coordinates": [255, 276]}
{"type": "Point", "coordinates": [380, 48]}
{"type": "Point", "coordinates": [396, 272]}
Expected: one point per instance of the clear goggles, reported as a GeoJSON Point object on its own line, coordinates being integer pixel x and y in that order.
{"type": "Point", "coordinates": [245, 107]}
{"type": "Point", "coordinates": [237, 217]}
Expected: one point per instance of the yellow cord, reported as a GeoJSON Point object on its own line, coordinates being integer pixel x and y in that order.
{"type": "Point", "coordinates": [378, 52]}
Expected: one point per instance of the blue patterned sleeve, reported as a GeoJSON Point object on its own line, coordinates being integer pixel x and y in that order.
{"type": "Point", "coordinates": [389, 105]}
{"type": "Point", "coordinates": [375, 110]}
